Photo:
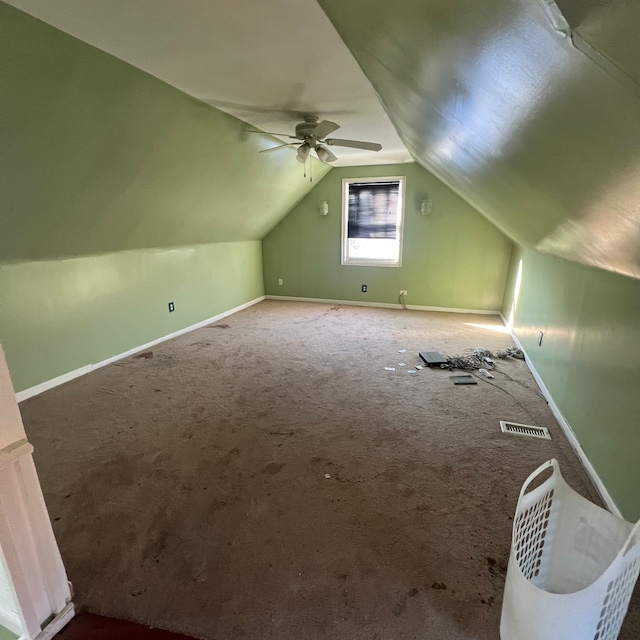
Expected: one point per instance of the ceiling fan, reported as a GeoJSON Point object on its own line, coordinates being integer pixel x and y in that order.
{"type": "Point", "coordinates": [311, 135]}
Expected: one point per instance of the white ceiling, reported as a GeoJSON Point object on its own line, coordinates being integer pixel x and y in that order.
{"type": "Point", "coordinates": [266, 62]}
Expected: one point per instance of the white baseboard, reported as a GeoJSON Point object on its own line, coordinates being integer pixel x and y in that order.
{"type": "Point", "coordinates": [385, 305]}
{"type": "Point", "coordinates": [567, 430]}
{"type": "Point", "coordinates": [76, 373]}
{"type": "Point", "coordinates": [54, 382]}
{"type": "Point", "coordinates": [10, 621]}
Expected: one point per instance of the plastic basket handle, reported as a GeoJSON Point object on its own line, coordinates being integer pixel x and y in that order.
{"type": "Point", "coordinates": [553, 463]}
{"type": "Point", "coordinates": [633, 536]}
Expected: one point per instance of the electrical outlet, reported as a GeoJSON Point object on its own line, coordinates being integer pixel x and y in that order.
{"type": "Point", "coordinates": [540, 336]}
{"type": "Point", "coordinates": [280, 282]}
{"type": "Point", "coordinates": [172, 307]}
{"type": "Point", "coordinates": [364, 288]}
{"type": "Point", "coordinates": [403, 292]}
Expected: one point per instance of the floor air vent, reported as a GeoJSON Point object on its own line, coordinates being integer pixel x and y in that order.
{"type": "Point", "coordinates": [525, 430]}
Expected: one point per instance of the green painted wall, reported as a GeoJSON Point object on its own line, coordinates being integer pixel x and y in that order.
{"type": "Point", "coordinates": [118, 194]}
{"type": "Point", "coordinates": [530, 130]}
{"type": "Point", "coordinates": [98, 156]}
{"type": "Point", "coordinates": [60, 315]}
{"type": "Point", "coordinates": [452, 258]}
{"type": "Point", "coordinates": [7, 635]}
{"type": "Point", "coordinates": [588, 358]}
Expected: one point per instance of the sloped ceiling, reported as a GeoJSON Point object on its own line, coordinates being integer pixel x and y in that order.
{"type": "Point", "coordinates": [498, 100]}
{"type": "Point", "coordinates": [97, 156]}
{"type": "Point", "coordinates": [609, 32]}
{"type": "Point", "coordinates": [267, 62]}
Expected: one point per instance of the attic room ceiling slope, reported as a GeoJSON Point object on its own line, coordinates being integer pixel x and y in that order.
{"type": "Point", "coordinates": [267, 63]}
{"type": "Point", "coordinates": [504, 108]}
{"type": "Point", "coordinates": [611, 28]}
{"type": "Point", "coordinates": [98, 156]}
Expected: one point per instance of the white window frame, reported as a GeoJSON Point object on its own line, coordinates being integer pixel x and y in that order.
{"type": "Point", "coordinates": [371, 262]}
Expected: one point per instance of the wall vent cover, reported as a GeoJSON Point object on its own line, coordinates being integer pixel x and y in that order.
{"type": "Point", "coordinates": [525, 430]}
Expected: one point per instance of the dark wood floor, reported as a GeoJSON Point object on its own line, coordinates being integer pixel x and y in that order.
{"type": "Point", "coordinates": [87, 626]}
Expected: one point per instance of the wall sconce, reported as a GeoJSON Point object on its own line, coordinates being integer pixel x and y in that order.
{"type": "Point", "coordinates": [426, 206]}
{"type": "Point", "coordinates": [324, 208]}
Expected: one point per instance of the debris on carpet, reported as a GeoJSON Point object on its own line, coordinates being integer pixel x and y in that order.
{"type": "Point", "coordinates": [463, 379]}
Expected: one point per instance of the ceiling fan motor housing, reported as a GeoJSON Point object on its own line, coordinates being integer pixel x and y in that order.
{"type": "Point", "coordinates": [305, 129]}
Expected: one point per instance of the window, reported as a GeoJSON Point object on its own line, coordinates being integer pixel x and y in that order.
{"type": "Point", "coordinates": [372, 211]}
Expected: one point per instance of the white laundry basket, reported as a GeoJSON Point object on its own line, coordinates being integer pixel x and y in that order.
{"type": "Point", "coordinates": [572, 566]}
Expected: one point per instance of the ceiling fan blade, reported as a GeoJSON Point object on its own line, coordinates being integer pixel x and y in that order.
{"type": "Point", "coordinates": [271, 133]}
{"type": "Point", "coordinates": [325, 128]}
{"type": "Point", "coordinates": [280, 146]}
{"type": "Point", "coordinates": [324, 154]}
{"type": "Point", "coordinates": [354, 144]}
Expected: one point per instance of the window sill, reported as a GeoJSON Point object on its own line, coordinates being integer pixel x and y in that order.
{"type": "Point", "coordinates": [369, 263]}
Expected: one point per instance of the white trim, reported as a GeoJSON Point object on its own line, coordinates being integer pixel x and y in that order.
{"type": "Point", "coordinates": [54, 382]}
{"type": "Point", "coordinates": [482, 312]}
{"type": "Point", "coordinates": [11, 622]}
{"type": "Point", "coordinates": [30, 557]}
{"type": "Point", "coordinates": [58, 623]}
{"type": "Point", "coordinates": [30, 554]}
{"type": "Point", "coordinates": [175, 334]}
{"type": "Point", "coordinates": [372, 262]}
{"type": "Point", "coordinates": [76, 373]}
{"type": "Point", "coordinates": [566, 428]}
{"type": "Point", "coordinates": [10, 454]}
{"type": "Point", "coordinates": [386, 305]}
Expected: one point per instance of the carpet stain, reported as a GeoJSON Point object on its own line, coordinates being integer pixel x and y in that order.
{"type": "Point", "coordinates": [147, 355]}
{"type": "Point", "coordinates": [400, 607]}
{"type": "Point", "coordinates": [273, 468]}
{"type": "Point", "coordinates": [232, 453]}
{"type": "Point", "coordinates": [198, 483]}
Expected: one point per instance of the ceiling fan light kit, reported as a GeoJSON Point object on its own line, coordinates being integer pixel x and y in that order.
{"type": "Point", "coordinates": [311, 135]}
{"type": "Point", "coordinates": [324, 154]}
{"type": "Point", "coordinates": [303, 152]}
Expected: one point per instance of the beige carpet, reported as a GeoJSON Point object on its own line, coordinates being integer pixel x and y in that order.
{"type": "Point", "coordinates": [188, 487]}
